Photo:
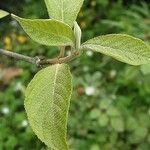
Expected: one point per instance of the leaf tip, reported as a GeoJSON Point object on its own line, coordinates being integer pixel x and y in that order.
{"type": "Point", "coordinates": [3, 13]}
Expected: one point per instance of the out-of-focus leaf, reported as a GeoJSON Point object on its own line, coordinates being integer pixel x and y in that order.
{"type": "Point", "coordinates": [95, 147]}
{"type": "Point", "coordinates": [131, 123]}
{"type": "Point", "coordinates": [117, 124]}
{"type": "Point", "coordinates": [103, 120]}
{"type": "Point", "coordinates": [145, 69]}
{"type": "Point", "coordinates": [104, 104]}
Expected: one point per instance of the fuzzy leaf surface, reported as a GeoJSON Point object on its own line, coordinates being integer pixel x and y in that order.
{"type": "Point", "coordinates": [64, 10]}
{"type": "Point", "coordinates": [47, 100]}
{"type": "Point", "coordinates": [122, 47]}
{"type": "Point", "coordinates": [3, 13]}
{"type": "Point", "coordinates": [48, 32]}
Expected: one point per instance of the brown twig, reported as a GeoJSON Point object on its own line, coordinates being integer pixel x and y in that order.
{"type": "Point", "coordinates": [18, 56]}
{"type": "Point", "coordinates": [59, 60]}
{"type": "Point", "coordinates": [36, 60]}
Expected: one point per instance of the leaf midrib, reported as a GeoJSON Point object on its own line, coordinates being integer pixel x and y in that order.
{"type": "Point", "coordinates": [53, 95]}
{"type": "Point", "coordinates": [54, 84]}
{"type": "Point", "coordinates": [86, 44]}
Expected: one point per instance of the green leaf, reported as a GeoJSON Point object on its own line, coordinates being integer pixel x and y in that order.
{"type": "Point", "coordinates": [122, 47]}
{"type": "Point", "coordinates": [148, 138]}
{"type": "Point", "coordinates": [104, 104]}
{"type": "Point", "coordinates": [47, 31]}
{"type": "Point", "coordinates": [78, 34]}
{"type": "Point", "coordinates": [95, 147]}
{"type": "Point", "coordinates": [3, 13]}
{"type": "Point", "coordinates": [64, 10]}
{"type": "Point", "coordinates": [139, 134]}
{"type": "Point", "coordinates": [131, 73]}
{"type": "Point", "coordinates": [47, 101]}
{"type": "Point", "coordinates": [131, 123]}
{"type": "Point", "coordinates": [145, 69]}
{"type": "Point", "coordinates": [103, 120]}
{"type": "Point", "coordinates": [113, 112]}
{"type": "Point", "coordinates": [117, 124]}
{"type": "Point", "coordinates": [95, 113]}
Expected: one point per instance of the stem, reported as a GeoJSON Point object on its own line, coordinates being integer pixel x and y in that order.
{"type": "Point", "coordinates": [62, 52]}
{"type": "Point", "coordinates": [18, 56]}
{"type": "Point", "coordinates": [37, 61]}
{"type": "Point", "coordinates": [59, 60]}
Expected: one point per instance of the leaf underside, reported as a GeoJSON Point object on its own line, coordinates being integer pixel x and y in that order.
{"type": "Point", "coordinates": [122, 47]}
{"type": "Point", "coordinates": [64, 10]}
{"type": "Point", "coordinates": [3, 13]}
{"type": "Point", "coordinates": [47, 101]}
{"type": "Point", "coordinates": [48, 32]}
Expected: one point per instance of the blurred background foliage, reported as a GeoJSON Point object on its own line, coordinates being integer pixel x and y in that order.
{"type": "Point", "coordinates": [110, 106]}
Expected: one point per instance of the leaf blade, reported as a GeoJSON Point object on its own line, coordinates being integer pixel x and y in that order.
{"type": "Point", "coordinates": [48, 117]}
{"type": "Point", "coordinates": [122, 47]}
{"type": "Point", "coordinates": [3, 13]}
{"type": "Point", "coordinates": [47, 31]}
{"type": "Point", "coordinates": [64, 10]}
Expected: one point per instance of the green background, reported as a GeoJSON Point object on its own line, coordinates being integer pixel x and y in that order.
{"type": "Point", "coordinates": [110, 106]}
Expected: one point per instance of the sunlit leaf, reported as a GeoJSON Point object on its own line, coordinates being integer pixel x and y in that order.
{"type": "Point", "coordinates": [138, 135]}
{"type": "Point", "coordinates": [47, 100]}
{"type": "Point", "coordinates": [3, 13]}
{"type": "Point", "coordinates": [95, 113]}
{"type": "Point", "coordinates": [113, 112]}
{"type": "Point", "coordinates": [122, 47]}
{"type": "Point", "coordinates": [64, 10]}
{"type": "Point", "coordinates": [47, 31]}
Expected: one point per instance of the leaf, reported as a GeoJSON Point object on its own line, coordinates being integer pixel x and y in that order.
{"type": "Point", "coordinates": [148, 138]}
{"type": "Point", "coordinates": [94, 147]}
{"type": "Point", "coordinates": [104, 104]}
{"type": "Point", "coordinates": [95, 113]}
{"type": "Point", "coordinates": [47, 31]}
{"type": "Point", "coordinates": [145, 69]}
{"type": "Point", "coordinates": [117, 124]}
{"type": "Point", "coordinates": [113, 112]}
{"type": "Point", "coordinates": [3, 13]}
{"type": "Point", "coordinates": [103, 120]}
{"type": "Point", "coordinates": [122, 47]}
{"type": "Point", "coordinates": [78, 34]}
{"type": "Point", "coordinates": [64, 10]}
{"type": "Point", "coordinates": [47, 101]}
{"type": "Point", "coordinates": [131, 123]}
{"type": "Point", "coordinates": [138, 135]}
